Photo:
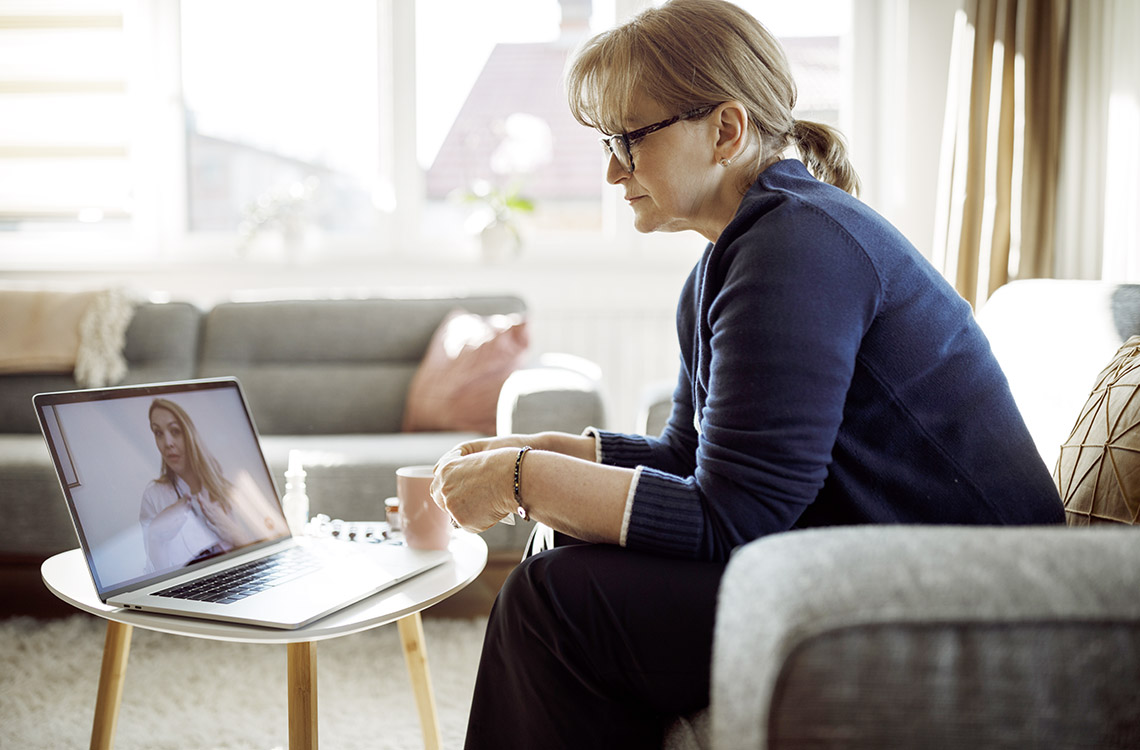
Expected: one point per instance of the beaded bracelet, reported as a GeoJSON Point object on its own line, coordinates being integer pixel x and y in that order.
{"type": "Point", "coordinates": [518, 482]}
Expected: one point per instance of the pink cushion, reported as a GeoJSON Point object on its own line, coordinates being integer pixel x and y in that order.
{"type": "Point", "coordinates": [457, 385]}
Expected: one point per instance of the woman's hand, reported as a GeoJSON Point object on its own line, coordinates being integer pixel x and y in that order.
{"type": "Point", "coordinates": [488, 444]}
{"type": "Point", "coordinates": [229, 530]}
{"type": "Point", "coordinates": [578, 446]}
{"type": "Point", "coordinates": [476, 487]}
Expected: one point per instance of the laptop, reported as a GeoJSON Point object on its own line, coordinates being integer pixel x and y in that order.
{"type": "Point", "coordinates": [177, 512]}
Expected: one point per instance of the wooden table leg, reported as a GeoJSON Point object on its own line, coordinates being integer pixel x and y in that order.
{"type": "Point", "coordinates": [415, 652]}
{"type": "Point", "coordinates": [302, 668]}
{"type": "Point", "coordinates": [116, 649]}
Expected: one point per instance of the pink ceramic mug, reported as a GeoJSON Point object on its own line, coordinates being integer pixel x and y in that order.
{"type": "Point", "coordinates": [426, 525]}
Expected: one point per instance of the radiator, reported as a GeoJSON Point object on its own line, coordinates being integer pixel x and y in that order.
{"type": "Point", "coordinates": [635, 349]}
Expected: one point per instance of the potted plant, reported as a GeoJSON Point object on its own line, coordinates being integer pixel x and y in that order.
{"type": "Point", "coordinates": [495, 217]}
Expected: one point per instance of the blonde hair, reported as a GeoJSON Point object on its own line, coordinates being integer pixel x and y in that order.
{"type": "Point", "coordinates": [202, 463]}
{"type": "Point", "coordinates": [690, 53]}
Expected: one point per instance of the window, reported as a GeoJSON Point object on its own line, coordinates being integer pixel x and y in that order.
{"type": "Point", "coordinates": [815, 35]}
{"type": "Point", "coordinates": [499, 125]}
{"type": "Point", "coordinates": [201, 128]}
{"type": "Point", "coordinates": [299, 117]}
{"type": "Point", "coordinates": [282, 116]}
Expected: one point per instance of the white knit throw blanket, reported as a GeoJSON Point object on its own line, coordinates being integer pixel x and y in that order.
{"type": "Point", "coordinates": [99, 360]}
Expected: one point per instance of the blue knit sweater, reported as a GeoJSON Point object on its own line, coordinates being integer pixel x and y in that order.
{"type": "Point", "coordinates": [829, 375]}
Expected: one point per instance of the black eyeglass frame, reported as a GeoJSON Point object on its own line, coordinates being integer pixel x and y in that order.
{"type": "Point", "coordinates": [628, 139]}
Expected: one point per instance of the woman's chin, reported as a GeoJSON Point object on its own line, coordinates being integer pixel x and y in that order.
{"type": "Point", "coordinates": [645, 224]}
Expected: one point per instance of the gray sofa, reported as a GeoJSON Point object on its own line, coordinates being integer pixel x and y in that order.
{"type": "Point", "coordinates": [327, 377]}
{"type": "Point", "coordinates": [946, 637]}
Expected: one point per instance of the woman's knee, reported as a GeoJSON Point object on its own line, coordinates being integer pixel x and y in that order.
{"type": "Point", "coordinates": [545, 589]}
{"type": "Point", "coordinates": [529, 583]}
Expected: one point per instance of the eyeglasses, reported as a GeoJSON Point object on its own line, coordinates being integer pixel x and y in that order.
{"type": "Point", "coordinates": [619, 145]}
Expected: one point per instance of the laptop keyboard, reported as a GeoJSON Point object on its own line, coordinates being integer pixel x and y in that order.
{"type": "Point", "coordinates": [235, 584]}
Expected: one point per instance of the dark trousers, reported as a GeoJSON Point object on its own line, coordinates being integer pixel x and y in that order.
{"type": "Point", "coordinates": [594, 646]}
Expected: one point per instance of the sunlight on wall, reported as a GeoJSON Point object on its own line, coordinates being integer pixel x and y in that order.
{"type": "Point", "coordinates": [1122, 193]}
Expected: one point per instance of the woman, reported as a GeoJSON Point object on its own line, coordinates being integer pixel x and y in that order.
{"type": "Point", "coordinates": [828, 375]}
{"type": "Point", "coordinates": [190, 512]}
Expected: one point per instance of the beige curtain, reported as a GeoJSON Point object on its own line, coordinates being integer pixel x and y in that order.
{"type": "Point", "coordinates": [998, 175]}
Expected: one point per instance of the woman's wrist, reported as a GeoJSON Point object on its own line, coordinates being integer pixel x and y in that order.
{"type": "Point", "coordinates": [576, 446]}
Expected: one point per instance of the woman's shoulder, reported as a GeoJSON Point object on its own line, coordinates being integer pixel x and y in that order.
{"type": "Point", "coordinates": [785, 198]}
{"type": "Point", "coordinates": [792, 226]}
{"type": "Point", "coordinates": [158, 487]}
{"type": "Point", "coordinates": [790, 218]}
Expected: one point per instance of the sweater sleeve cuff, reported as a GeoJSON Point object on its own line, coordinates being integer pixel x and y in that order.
{"type": "Point", "coordinates": [619, 449]}
{"type": "Point", "coordinates": [596, 434]}
{"type": "Point", "coordinates": [663, 514]}
{"type": "Point", "coordinates": [629, 505]}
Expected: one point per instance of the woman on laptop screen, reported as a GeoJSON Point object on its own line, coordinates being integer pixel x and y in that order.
{"type": "Point", "coordinates": [191, 511]}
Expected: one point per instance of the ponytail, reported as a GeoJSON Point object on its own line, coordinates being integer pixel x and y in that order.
{"type": "Point", "coordinates": [824, 152]}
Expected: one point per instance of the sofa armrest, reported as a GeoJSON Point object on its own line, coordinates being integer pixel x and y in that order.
{"type": "Point", "coordinates": [562, 394]}
{"type": "Point", "coordinates": [880, 636]}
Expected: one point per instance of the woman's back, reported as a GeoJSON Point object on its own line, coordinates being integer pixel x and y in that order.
{"type": "Point", "coordinates": [853, 376]}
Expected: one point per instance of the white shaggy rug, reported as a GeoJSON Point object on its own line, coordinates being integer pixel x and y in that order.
{"type": "Point", "coordinates": [191, 694]}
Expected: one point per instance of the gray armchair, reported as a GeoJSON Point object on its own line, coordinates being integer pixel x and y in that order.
{"type": "Point", "coordinates": [946, 637]}
{"type": "Point", "coordinates": [927, 637]}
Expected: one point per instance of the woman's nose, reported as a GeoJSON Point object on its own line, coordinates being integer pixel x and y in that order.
{"type": "Point", "coordinates": [615, 172]}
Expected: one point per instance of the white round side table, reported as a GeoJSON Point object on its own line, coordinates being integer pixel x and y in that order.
{"type": "Point", "coordinates": [67, 576]}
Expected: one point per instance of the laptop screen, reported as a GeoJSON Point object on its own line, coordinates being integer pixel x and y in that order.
{"type": "Point", "coordinates": [160, 478]}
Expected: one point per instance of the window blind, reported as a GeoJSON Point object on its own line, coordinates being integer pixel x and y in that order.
{"type": "Point", "coordinates": [64, 114]}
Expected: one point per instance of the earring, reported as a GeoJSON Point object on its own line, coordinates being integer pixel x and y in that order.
{"type": "Point", "coordinates": [725, 162]}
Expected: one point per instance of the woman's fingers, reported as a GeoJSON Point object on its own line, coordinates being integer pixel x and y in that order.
{"type": "Point", "coordinates": [451, 455]}
{"type": "Point", "coordinates": [483, 445]}
{"type": "Point", "coordinates": [436, 489]}
{"type": "Point", "coordinates": [471, 488]}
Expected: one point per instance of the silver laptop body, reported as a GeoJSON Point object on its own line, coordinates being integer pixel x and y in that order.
{"type": "Point", "coordinates": [169, 490]}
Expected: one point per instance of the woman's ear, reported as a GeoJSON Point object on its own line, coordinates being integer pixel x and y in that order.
{"type": "Point", "coordinates": [731, 119]}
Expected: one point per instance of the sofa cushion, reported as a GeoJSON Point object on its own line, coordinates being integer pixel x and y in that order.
{"type": "Point", "coordinates": [36, 521]}
{"type": "Point", "coordinates": [1098, 472]}
{"type": "Point", "coordinates": [161, 344]}
{"type": "Point", "coordinates": [328, 366]}
{"type": "Point", "coordinates": [1051, 338]}
{"type": "Point", "coordinates": [463, 370]}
